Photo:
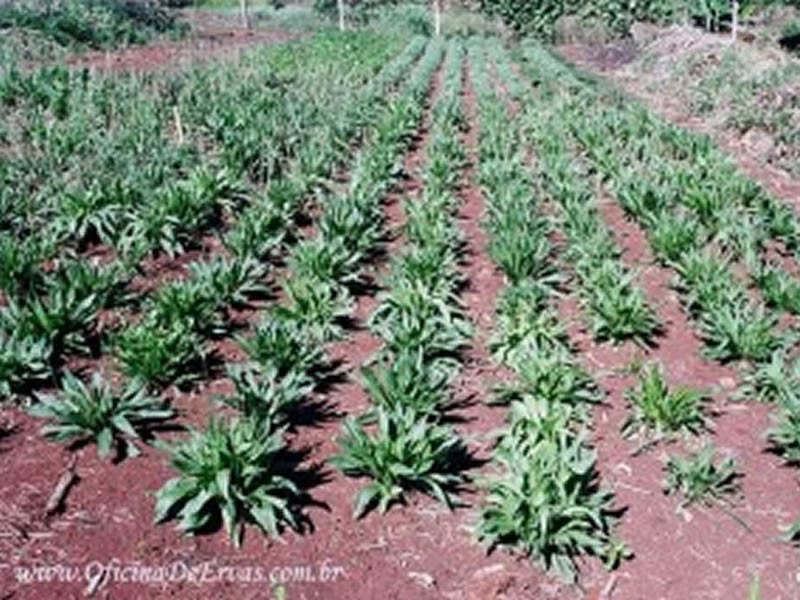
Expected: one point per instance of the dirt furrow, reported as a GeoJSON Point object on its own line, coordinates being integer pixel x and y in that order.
{"type": "Point", "coordinates": [709, 534]}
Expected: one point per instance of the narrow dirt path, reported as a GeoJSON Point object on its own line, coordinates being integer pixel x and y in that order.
{"type": "Point", "coordinates": [484, 283]}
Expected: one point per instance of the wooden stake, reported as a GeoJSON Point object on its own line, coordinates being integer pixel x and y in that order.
{"type": "Point", "coordinates": [61, 489]}
{"type": "Point", "coordinates": [178, 124]}
{"type": "Point", "coordinates": [244, 14]}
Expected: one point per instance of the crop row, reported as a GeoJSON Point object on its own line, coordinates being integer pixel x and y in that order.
{"type": "Point", "coordinates": [231, 468]}
{"type": "Point", "coordinates": [189, 311]}
{"type": "Point", "coordinates": [50, 312]}
{"type": "Point", "coordinates": [727, 241]}
{"type": "Point", "coordinates": [402, 443]}
{"type": "Point", "coordinates": [544, 496]}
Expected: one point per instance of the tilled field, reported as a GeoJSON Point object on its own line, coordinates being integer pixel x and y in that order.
{"type": "Point", "coordinates": [452, 319]}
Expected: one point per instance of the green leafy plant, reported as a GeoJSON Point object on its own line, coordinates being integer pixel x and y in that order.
{"type": "Point", "coordinates": [283, 344]}
{"type": "Point", "coordinates": [553, 378]}
{"type": "Point", "coordinates": [188, 304]}
{"type": "Point", "coordinates": [412, 319]}
{"type": "Point", "coordinates": [672, 235]}
{"type": "Point", "coordinates": [548, 503]}
{"type": "Point", "coordinates": [257, 233]}
{"type": "Point", "coordinates": [780, 290]}
{"type": "Point", "coordinates": [229, 471]}
{"type": "Point", "coordinates": [95, 412]}
{"type": "Point", "coordinates": [230, 281]}
{"type": "Point", "coordinates": [701, 478]}
{"type": "Point", "coordinates": [775, 380]}
{"type": "Point", "coordinates": [618, 309]}
{"type": "Point", "coordinates": [739, 331]}
{"type": "Point", "coordinates": [325, 261]}
{"type": "Point", "coordinates": [264, 393]}
{"type": "Point", "coordinates": [316, 306]}
{"type": "Point", "coordinates": [24, 362]}
{"type": "Point", "coordinates": [784, 435]}
{"type": "Point", "coordinates": [406, 382]}
{"type": "Point", "coordinates": [406, 452]}
{"type": "Point", "coordinates": [657, 411]}
{"type": "Point", "coordinates": [158, 355]}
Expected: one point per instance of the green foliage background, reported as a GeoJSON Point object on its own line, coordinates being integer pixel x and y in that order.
{"type": "Point", "coordinates": [539, 17]}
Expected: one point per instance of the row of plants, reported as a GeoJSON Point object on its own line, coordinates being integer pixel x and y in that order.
{"type": "Point", "coordinates": [713, 227]}
{"type": "Point", "coordinates": [544, 496]}
{"type": "Point", "coordinates": [284, 364]}
{"type": "Point", "coordinates": [240, 468]}
{"type": "Point", "coordinates": [709, 226]}
{"type": "Point", "coordinates": [91, 23]}
{"type": "Point", "coordinates": [616, 306]}
{"type": "Point", "coordinates": [403, 441]}
{"type": "Point", "coordinates": [142, 163]}
{"type": "Point", "coordinates": [48, 313]}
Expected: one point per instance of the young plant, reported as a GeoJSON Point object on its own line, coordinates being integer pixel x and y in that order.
{"type": "Point", "coordinates": [230, 281]}
{"type": "Point", "coordinates": [315, 306]}
{"type": "Point", "coordinates": [188, 304]}
{"type": "Point", "coordinates": [554, 378]}
{"type": "Point", "coordinates": [780, 289]}
{"type": "Point", "coordinates": [784, 436]}
{"type": "Point", "coordinates": [230, 472]}
{"type": "Point", "coordinates": [283, 344]}
{"type": "Point", "coordinates": [525, 325]}
{"type": "Point", "coordinates": [658, 412]}
{"type": "Point", "coordinates": [776, 380]}
{"type": "Point", "coordinates": [618, 309]}
{"type": "Point", "coordinates": [413, 319]}
{"type": "Point", "coordinates": [406, 382]}
{"type": "Point", "coordinates": [324, 261]}
{"type": "Point", "coordinates": [548, 504]}
{"type": "Point", "coordinates": [739, 331]}
{"type": "Point", "coordinates": [24, 362]}
{"type": "Point", "coordinates": [701, 478]}
{"type": "Point", "coordinates": [258, 233]}
{"type": "Point", "coordinates": [264, 393]}
{"type": "Point", "coordinates": [96, 412]}
{"type": "Point", "coordinates": [407, 451]}
{"type": "Point", "coordinates": [156, 355]}
{"type": "Point", "coordinates": [672, 235]}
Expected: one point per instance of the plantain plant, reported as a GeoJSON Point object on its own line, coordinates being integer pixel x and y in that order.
{"type": "Point", "coordinates": [406, 452]}
{"type": "Point", "coordinates": [784, 435]}
{"type": "Point", "coordinates": [157, 355]}
{"type": "Point", "coordinates": [95, 412]}
{"type": "Point", "coordinates": [658, 412]}
{"type": "Point", "coordinates": [700, 477]}
{"type": "Point", "coordinates": [230, 473]}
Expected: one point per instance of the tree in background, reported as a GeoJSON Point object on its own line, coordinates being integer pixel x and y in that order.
{"type": "Point", "coordinates": [539, 17]}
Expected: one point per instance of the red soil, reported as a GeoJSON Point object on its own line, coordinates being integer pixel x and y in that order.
{"type": "Point", "coordinates": [407, 553]}
{"type": "Point", "coordinates": [725, 557]}
{"type": "Point", "coordinates": [213, 37]}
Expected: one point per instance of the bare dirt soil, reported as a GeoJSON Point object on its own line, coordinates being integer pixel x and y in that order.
{"type": "Point", "coordinates": [414, 552]}
{"type": "Point", "coordinates": [213, 36]}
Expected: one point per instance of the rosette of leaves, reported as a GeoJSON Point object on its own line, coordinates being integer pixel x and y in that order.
{"type": "Point", "coordinates": [95, 412]}
{"type": "Point", "coordinates": [658, 411]}
{"type": "Point", "coordinates": [700, 477]}
{"type": "Point", "coordinates": [406, 451]}
{"type": "Point", "coordinates": [547, 503]}
{"type": "Point", "coordinates": [230, 472]}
